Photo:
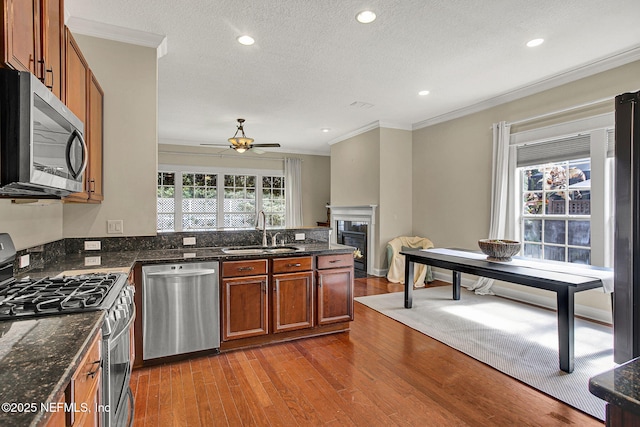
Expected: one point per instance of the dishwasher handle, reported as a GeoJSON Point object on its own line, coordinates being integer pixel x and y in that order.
{"type": "Point", "coordinates": [181, 273]}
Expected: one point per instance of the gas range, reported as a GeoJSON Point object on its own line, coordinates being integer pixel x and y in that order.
{"type": "Point", "coordinates": [59, 295]}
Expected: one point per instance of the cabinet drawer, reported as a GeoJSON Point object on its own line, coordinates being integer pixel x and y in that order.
{"type": "Point", "coordinates": [290, 265]}
{"type": "Point", "coordinates": [88, 374]}
{"type": "Point", "coordinates": [244, 268]}
{"type": "Point", "coordinates": [335, 261]}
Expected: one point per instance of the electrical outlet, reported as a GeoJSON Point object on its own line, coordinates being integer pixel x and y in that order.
{"type": "Point", "coordinates": [92, 245]}
{"type": "Point", "coordinates": [115, 226]}
{"type": "Point", "coordinates": [24, 261]}
{"type": "Point", "coordinates": [187, 241]}
{"type": "Point", "coordinates": [92, 260]}
{"type": "Point", "coordinates": [188, 255]}
{"type": "Point", "coordinates": [299, 236]}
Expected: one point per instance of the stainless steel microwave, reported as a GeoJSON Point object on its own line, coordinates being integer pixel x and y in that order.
{"type": "Point", "coordinates": [42, 149]}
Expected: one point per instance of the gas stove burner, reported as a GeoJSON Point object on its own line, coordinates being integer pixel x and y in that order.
{"type": "Point", "coordinates": [56, 295]}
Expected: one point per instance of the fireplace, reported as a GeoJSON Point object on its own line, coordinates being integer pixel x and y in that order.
{"type": "Point", "coordinates": [355, 234]}
{"type": "Point", "coordinates": [355, 226]}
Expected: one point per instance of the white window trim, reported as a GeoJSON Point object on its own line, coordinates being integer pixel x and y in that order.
{"type": "Point", "coordinates": [601, 197]}
{"type": "Point", "coordinates": [220, 171]}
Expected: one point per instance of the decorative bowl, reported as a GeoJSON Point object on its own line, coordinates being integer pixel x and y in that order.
{"type": "Point", "coordinates": [499, 249]}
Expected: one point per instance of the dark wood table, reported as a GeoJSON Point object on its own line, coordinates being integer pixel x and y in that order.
{"type": "Point", "coordinates": [563, 284]}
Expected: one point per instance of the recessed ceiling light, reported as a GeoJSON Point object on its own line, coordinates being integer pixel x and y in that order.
{"type": "Point", "coordinates": [325, 130]}
{"type": "Point", "coordinates": [423, 92]}
{"type": "Point", "coordinates": [246, 40]}
{"type": "Point", "coordinates": [366, 17]}
{"type": "Point", "coordinates": [535, 42]}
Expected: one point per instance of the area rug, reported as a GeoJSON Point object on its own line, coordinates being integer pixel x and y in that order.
{"type": "Point", "coordinates": [517, 339]}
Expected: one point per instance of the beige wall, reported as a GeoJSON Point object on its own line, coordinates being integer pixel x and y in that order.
{"type": "Point", "coordinates": [374, 168]}
{"type": "Point", "coordinates": [355, 170]}
{"type": "Point", "coordinates": [128, 76]}
{"type": "Point", "coordinates": [31, 224]}
{"type": "Point", "coordinates": [315, 171]}
{"type": "Point", "coordinates": [452, 162]}
{"type": "Point", "coordinates": [395, 215]}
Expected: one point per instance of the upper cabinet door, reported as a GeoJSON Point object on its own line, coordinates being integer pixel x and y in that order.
{"type": "Point", "coordinates": [52, 40]}
{"type": "Point", "coordinates": [21, 35]}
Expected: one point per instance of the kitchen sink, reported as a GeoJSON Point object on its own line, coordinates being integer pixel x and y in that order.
{"type": "Point", "coordinates": [248, 250]}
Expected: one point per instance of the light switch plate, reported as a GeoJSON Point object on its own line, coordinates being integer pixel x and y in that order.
{"type": "Point", "coordinates": [187, 241]}
{"type": "Point", "coordinates": [92, 260]}
{"type": "Point", "coordinates": [115, 226]}
{"type": "Point", "coordinates": [92, 245]}
{"type": "Point", "coordinates": [299, 236]}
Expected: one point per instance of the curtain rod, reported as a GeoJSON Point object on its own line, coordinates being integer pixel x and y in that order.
{"type": "Point", "coordinates": [564, 110]}
{"type": "Point", "coordinates": [230, 156]}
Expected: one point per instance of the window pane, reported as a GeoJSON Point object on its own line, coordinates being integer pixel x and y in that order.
{"type": "Point", "coordinates": [532, 250]}
{"type": "Point", "coordinates": [554, 253]}
{"type": "Point", "coordinates": [532, 203]}
{"type": "Point", "coordinates": [580, 256]}
{"type": "Point", "coordinates": [533, 230]}
{"type": "Point", "coordinates": [579, 233]}
{"type": "Point", "coordinates": [554, 231]}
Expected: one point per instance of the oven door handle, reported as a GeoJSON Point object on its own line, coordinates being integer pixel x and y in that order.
{"type": "Point", "coordinates": [114, 338]}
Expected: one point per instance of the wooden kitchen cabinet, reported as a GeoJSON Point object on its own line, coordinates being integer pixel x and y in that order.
{"type": "Point", "coordinates": [334, 288]}
{"type": "Point", "coordinates": [33, 39]}
{"type": "Point", "coordinates": [292, 289]}
{"type": "Point", "coordinates": [83, 392]}
{"type": "Point", "coordinates": [245, 306]}
{"type": "Point", "coordinates": [85, 98]}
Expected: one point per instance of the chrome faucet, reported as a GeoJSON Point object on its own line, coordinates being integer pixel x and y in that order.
{"type": "Point", "coordinates": [264, 226]}
{"type": "Point", "coordinates": [274, 242]}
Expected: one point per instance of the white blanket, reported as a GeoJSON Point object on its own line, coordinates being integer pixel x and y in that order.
{"type": "Point", "coordinates": [396, 263]}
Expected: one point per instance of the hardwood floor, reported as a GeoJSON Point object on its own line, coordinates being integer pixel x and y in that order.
{"type": "Point", "coordinates": [378, 374]}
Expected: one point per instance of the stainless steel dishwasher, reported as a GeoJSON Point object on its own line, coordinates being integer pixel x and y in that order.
{"type": "Point", "coordinates": [181, 309]}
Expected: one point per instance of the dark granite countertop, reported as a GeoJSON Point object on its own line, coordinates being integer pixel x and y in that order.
{"type": "Point", "coordinates": [124, 261]}
{"type": "Point", "coordinates": [619, 386]}
{"type": "Point", "coordinates": [216, 254]}
{"type": "Point", "coordinates": [38, 357]}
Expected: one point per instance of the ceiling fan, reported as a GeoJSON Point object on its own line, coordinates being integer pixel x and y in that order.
{"type": "Point", "coordinates": [242, 143]}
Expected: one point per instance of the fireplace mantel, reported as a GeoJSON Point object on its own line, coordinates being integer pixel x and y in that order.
{"type": "Point", "coordinates": [361, 213]}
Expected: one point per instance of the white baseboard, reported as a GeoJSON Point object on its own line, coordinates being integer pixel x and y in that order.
{"type": "Point", "coordinates": [380, 272]}
{"type": "Point", "coordinates": [539, 300]}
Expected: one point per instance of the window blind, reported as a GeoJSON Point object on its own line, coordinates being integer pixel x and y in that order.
{"type": "Point", "coordinates": [572, 148]}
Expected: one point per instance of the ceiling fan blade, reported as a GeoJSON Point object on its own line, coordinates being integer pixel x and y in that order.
{"type": "Point", "coordinates": [216, 145]}
{"type": "Point", "coordinates": [258, 151]}
{"type": "Point", "coordinates": [266, 145]}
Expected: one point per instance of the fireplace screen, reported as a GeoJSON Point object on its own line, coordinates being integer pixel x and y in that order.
{"type": "Point", "coordinates": [354, 233]}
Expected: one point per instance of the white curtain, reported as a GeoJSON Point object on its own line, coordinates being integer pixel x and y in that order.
{"type": "Point", "coordinates": [499, 195]}
{"type": "Point", "coordinates": [293, 192]}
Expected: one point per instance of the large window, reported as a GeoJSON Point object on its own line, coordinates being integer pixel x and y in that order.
{"type": "Point", "coordinates": [189, 201]}
{"type": "Point", "coordinates": [563, 197]}
{"type": "Point", "coordinates": [556, 211]}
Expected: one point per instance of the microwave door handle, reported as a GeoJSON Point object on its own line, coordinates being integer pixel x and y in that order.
{"type": "Point", "coordinates": [75, 134]}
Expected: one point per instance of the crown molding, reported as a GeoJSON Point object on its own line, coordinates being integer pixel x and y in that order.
{"type": "Point", "coordinates": [603, 64]}
{"type": "Point", "coordinates": [120, 34]}
{"type": "Point", "coordinates": [371, 126]}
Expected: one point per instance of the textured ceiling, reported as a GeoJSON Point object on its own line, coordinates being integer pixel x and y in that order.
{"type": "Point", "coordinates": [312, 60]}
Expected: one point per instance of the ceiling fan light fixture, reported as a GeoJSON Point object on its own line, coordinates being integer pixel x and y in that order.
{"type": "Point", "coordinates": [240, 149]}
